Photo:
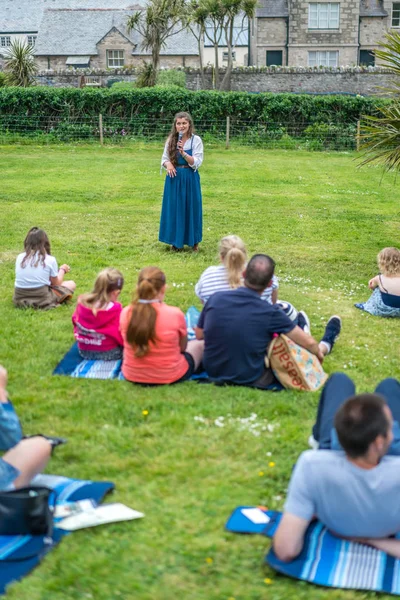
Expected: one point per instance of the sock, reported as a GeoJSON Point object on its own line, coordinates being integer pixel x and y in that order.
{"type": "Point", "coordinates": [327, 344]}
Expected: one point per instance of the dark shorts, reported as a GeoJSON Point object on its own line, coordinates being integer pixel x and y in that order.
{"type": "Point", "coordinates": [191, 368]}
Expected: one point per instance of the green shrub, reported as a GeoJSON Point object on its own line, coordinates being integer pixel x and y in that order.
{"type": "Point", "coordinates": [2, 79]}
{"type": "Point", "coordinates": [171, 77]}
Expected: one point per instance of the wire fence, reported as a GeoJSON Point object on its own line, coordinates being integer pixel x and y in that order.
{"type": "Point", "coordinates": [229, 131]}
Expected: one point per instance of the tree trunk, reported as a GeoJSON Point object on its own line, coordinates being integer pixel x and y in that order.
{"type": "Point", "coordinates": [226, 81]}
{"type": "Point", "coordinates": [155, 61]}
{"type": "Point", "coordinates": [201, 63]}
{"type": "Point", "coordinates": [216, 66]}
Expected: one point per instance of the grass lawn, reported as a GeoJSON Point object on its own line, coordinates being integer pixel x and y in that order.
{"type": "Point", "coordinates": [322, 220]}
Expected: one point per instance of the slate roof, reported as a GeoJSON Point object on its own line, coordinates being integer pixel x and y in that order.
{"type": "Point", "coordinates": [240, 33]}
{"type": "Point", "coordinates": [272, 8]}
{"type": "Point", "coordinates": [76, 32]}
{"type": "Point", "coordinates": [26, 15]}
{"type": "Point", "coordinates": [372, 8]}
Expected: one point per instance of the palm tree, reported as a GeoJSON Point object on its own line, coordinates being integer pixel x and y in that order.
{"type": "Point", "coordinates": [380, 134]}
{"type": "Point", "coordinates": [155, 23]}
{"type": "Point", "coordinates": [19, 64]}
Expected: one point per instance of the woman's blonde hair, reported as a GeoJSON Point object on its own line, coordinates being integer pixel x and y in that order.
{"type": "Point", "coordinates": [107, 281]}
{"type": "Point", "coordinates": [389, 261]}
{"type": "Point", "coordinates": [234, 256]}
{"type": "Point", "coordinates": [142, 325]}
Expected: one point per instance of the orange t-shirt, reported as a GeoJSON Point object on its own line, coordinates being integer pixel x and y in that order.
{"type": "Point", "coordinates": [164, 363]}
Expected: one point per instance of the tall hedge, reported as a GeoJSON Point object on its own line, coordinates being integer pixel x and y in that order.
{"type": "Point", "coordinates": [156, 103]}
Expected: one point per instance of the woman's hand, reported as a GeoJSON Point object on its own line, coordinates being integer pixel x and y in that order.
{"type": "Point", "coordinates": [170, 168]}
{"type": "Point", "coordinates": [179, 147]}
{"type": "Point", "coordinates": [65, 268]}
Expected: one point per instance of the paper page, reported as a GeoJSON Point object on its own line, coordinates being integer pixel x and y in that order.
{"type": "Point", "coordinates": [255, 515]}
{"type": "Point", "coordinates": [107, 513]}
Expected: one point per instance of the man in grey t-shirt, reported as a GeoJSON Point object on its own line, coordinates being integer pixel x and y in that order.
{"type": "Point", "coordinates": [354, 493]}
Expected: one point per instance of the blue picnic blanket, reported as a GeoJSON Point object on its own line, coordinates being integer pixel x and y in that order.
{"type": "Point", "coordinates": [19, 554]}
{"type": "Point", "coordinates": [326, 559]}
{"type": "Point", "coordinates": [73, 365]}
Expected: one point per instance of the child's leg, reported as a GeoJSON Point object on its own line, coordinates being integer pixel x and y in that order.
{"type": "Point", "coordinates": [71, 285]}
{"type": "Point", "coordinates": [30, 457]}
{"type": "Point", "coordinates": [3, 384]}
{"type": "Point", "coordinates": [196, 349]}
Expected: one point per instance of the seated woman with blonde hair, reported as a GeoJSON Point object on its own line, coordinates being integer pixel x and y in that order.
{"type": "Point", "coordinates": [156, 349]}
{"type": "Point", "coordinates": [229, 274]}
{"type": "Point", "coordinates": [385, 298]}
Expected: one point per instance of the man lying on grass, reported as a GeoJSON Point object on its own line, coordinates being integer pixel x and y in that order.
{"type": "Point", "coordinates": [237, 327]}
{"type": "Point", "coordinates": [354, 493]}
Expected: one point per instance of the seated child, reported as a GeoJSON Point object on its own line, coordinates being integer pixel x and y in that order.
{"type": "Point", "coordinates": [96, 318]}
{"type": "Point", "coordinates": [385, 298]}
{"type": "Point", "coordinates": [156, 349]}
{"type": "Point", "coordinates": [24, 458]}
{"type": "Point", "coordinates": [229, 274]}
{"type": "Point", "coordinates": [39, 283]}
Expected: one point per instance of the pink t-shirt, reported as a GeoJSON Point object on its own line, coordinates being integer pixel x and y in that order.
{"type": "Point", "coordinates": [164, 363]}
{"type": "Point", "coordinates": [100, 332]}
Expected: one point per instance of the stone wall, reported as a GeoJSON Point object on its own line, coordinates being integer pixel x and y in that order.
{"type": "Point", "coordinates": [348, 81]}
{"type": "Point", "coordinates": [353, 81]}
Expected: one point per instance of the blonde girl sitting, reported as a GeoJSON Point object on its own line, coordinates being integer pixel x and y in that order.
{"type": "Point", "coordinates": [39, 283]}
{"type": "Point", "coordinates": [96, 318]}
{"type": "Point", "coordinates": [385, 298]}
{"type": "Point", "coordinates": [156, 349]}
{"type": "Point", "coordinates": [229, 274]}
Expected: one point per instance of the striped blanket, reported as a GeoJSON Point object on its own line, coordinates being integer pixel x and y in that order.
{"type": "Point", "coordinates": [326, 559]}
{"type": "Point", "coordinates": [74, 365]}
{"type": "Point", "coordinates": [19, 554]}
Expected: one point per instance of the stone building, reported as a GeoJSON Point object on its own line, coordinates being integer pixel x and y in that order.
{"type": "Point", "coordinates": [86, 33]}
{"type": "Point", "coordinates": [321, 33]}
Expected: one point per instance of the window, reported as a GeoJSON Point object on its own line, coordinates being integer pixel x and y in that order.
{"type": "Point", "coordinates": [274, 57]}
{"type": "Point", "coordinates": [31, 40]}
{"type": "Point", "coordinates": [5, 41]}
{"type": "Point", "coordinates": [115, 58]}
{"type": "Point", "coordinates": [323, 15]}
{"type": "Point", "coordinates": [225, 56]}
{"type": "Point", "coordinates": [396, 14]}
{"type": "Point", "coordinates": [367, 58]}
{"type": "Point", "coordinates": [323, 58]}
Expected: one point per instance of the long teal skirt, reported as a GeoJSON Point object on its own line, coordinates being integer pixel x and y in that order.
{"type": "Point", "coordinates": [181, 214]}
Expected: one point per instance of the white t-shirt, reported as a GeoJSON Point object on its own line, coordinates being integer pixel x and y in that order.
{"type": "Point", "coordinates": [30, 276]}
{"type": "Point", "coordinates": [215, 279]}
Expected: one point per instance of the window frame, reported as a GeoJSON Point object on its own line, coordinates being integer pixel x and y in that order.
{"type": "Point", "coordinates": [318, 58]}
{"type": "Point", "coordinates": [113, 58]}
{"type": "Point", "coordinates": [31, 40]}
{"type": "Point", "coordinates": [7, 41]}
{"type": "Point", "coordinates": [225, 55]}
{"type": "Point", "coordinates": [316, 22]}
{"type": "Point", "coordinates": [397, 11]}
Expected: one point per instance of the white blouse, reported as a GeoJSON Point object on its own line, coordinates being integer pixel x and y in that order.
{"type": "Point", "coordinates": [197, 151]}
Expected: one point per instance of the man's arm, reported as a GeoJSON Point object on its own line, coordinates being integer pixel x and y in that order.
{"type": "Point", "coordinates": [289, 537]}
{"type": "Point", "coordinates": [306, 341]}
{"type": "Point", "coordinates": [389, 545]}
{"type": "Point", "coordinates": [199, 333]}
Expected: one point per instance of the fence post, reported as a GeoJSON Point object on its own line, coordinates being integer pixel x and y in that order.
{"type": "Point", "coordinates": [101, 128]}
{"type": "Point", "coordinates": [228, 130]}
{"type": "Point", "coordinates": [358, 136]}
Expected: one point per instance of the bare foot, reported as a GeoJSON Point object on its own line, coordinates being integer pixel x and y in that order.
{"type": "Point", "coordinates": [195, 248]}
{"type": "Point", "coordinates": [3, 385]}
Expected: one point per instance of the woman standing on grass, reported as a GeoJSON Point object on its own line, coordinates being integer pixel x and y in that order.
{"type": "Point", "coordinates": [181, 215]}
{"type": "Point", "coordinates": [156, 350]}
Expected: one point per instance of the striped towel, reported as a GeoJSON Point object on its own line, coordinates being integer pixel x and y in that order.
{"type": "Point", "coordinates": [326, 559]}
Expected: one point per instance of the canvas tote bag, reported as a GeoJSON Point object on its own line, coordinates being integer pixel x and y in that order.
{"type": "Point", "coordinates": [295, 367]}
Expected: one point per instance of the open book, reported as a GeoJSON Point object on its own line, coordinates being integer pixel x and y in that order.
{"type": "Point", "coordinates": [79, 515]}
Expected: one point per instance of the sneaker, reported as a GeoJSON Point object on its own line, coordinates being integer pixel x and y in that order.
{"type": "Point", "coordinates": [332, 330]}
{"type": "Point", "coordinates": [304, 322]}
